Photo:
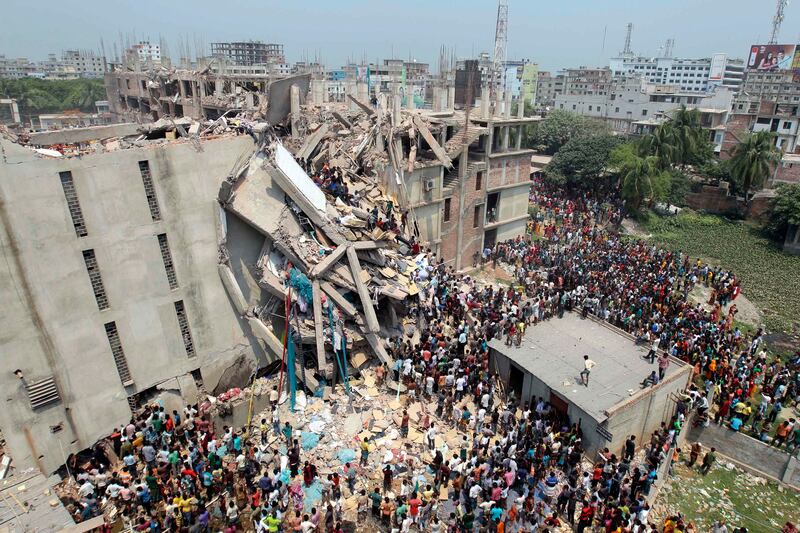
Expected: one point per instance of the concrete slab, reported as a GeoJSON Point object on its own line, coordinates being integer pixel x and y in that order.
{"type": "Point", "coordinates": [553, 351]}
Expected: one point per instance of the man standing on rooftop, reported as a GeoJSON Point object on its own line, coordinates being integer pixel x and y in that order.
{"type": "Point", "coordinates": [588, 364]}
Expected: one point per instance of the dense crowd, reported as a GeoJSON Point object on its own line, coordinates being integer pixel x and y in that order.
{"type": "Point", "coordinates": [520, 464]}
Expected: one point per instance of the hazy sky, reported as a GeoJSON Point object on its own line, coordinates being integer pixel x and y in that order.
{"type": "Point", "coordinates": [554, 33]}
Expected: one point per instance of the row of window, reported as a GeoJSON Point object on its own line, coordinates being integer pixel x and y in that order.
{"type": "Point", "coordinates": [95, 277]}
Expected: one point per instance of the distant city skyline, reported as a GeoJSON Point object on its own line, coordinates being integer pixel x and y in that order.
{"type": "Point", "coordinates": [555, 35]}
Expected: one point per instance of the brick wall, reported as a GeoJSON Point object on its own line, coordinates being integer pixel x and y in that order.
{"type": "Point", "coordinates": [737, 127]}
{"type": "Point", "coordinates": [787, 172]}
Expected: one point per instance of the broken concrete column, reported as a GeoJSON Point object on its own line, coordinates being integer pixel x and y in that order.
{"type": "Point", "coordinates": [506, 137]}
{"type": "Point", "coordinates": [232, 288]}
{"type": "Point", "coordinates": [485, 102]}
{"type": "Point", "coordinates": [317, 89]}
{"type": "Point", "coordinates": [396, 100]}
{"type": "Point", "coordinates": [507, 106]}
{"type": "Point", "coordinates": [351, 89]}
{"type": "Point", "coordinates": [295, 110]}
{"type": "Point", "coordinates": [410, 104]}
{"type": "Point", "coordinates": [436, 99]}
{"type": "Point", "coordinates": [451, 98]}
{"type": "Point", "coordinates": [521, 108]}
{"type": "Point", "coordinates": [363, 292]}
{"type": "Point", "coordinates": [363, 92]}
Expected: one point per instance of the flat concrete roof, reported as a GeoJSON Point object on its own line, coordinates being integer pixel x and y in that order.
{"type": "Point", "coordinates": [553, 351]}
{"type": "Point", "coordinates": [29, 503]}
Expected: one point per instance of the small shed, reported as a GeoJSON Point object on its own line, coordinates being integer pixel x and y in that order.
{"type": "Point", "coordinates": [614, 405]}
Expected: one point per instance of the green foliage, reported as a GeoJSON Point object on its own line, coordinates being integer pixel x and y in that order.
{"type": "Point", "coordinates": [716, 170]}
{"type": "Point", "coordinates": [642, 176]}
{"type": "Point", "coordinates": [582, 161]}
{"type": "Point", "coordinates": [36, 96]}
{"type": "Point", "coordinates": [770, 277]}
{"type": "Point", "coordinates": [785, 211]}
{"type": "Point", "coordinates": [679, 185]}
{"type": "Point", "coordinates": [752, 161]}
{"type": "Point", "coordinates": [560, 126]}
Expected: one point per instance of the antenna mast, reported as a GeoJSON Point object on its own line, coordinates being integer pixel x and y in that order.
{"type": "Point", "coordinates": [500, 41]}
{"type": "Point", "coordinates": [627, 50]}
{"type": "Point", "coordinates": [776, 21]}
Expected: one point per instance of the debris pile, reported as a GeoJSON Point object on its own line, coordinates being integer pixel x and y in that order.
{"type": "Point", "coordinates": [340, 255]}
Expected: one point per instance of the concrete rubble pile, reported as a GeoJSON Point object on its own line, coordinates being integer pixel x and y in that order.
{"type": "Point", "coordinates": [348, 268]}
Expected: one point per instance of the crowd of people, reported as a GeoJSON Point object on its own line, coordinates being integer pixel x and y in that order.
{"type": "Point", "coordinates": [520, 465]}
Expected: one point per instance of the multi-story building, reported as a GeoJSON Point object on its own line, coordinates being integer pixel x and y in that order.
{"type": "Point", "coordinates": [112, 293]}
{"type": "Point", "coordinates": [587, 81]}
{"type": "Point", "coordinates": [85, 63]}
{"type": "Point", "coordinates": [136, 95]}
{"type": "Point", "coordinates": [249, 52]}
{"type": "Point", "coordinates": [632, 105]}
{"type": "Point", "coordinates": [772, 85]}
{"type": "Point", "coordinates": [548, 87]}
{"type": "Point", "coordinates": [690, 75]}
{"type": "Point", "coordinates": [15, 68]}
{"type": "Point", "coordinates": [483, 197]}
{"type": "Point", "coordinates": [143, 53]}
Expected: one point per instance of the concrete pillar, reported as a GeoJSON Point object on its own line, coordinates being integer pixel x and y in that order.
{"type": "Point", "coordinates": [396, 101]}
{"type": "Point", "coordinates": [506, 137]}
{"type": "Point", "coordinates": [507, 106]}
{"type": "Point", "coordinates": [485, 101]}
{"type": "Point", "coordinates": [521, 107]}
{"type": "Point", "coordinates": [316, 92]}
{"type": "Point", "coordinates": [463, 162]}
{"type": "Point", "coordinates": [295, 110]}
{"type": "Point", "coordinates": [351, 89]}
{"type": "Point", "coordinates": [451, 98]}
{"type": "Point", "coordinates": [518, 145]}
{"type": "Point", "coordinates": [436, 98]}
{"type": "Point", "coordinates": [363, 92]}
{"type": "Point", "coordinates": [410, 104]}
{"type": "Point", "coordinates": [324, 90]}
{"type": "Point", "coordinates": [219, 85]}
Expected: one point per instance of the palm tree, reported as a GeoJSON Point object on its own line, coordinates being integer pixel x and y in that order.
{"type": "Point", "coordinates": [661, 144]}
{"type": "Point", "coordinates": [687, 134]}
{"type": "Point", "coordinates": [641, 178]}
{"type": "Point", "coordinates": [752, 161]}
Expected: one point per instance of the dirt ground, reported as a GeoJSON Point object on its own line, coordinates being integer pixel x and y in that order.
{"type": "Point", "coordinates": [748, 312]}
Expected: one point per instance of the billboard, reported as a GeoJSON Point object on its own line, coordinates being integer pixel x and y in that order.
{"type": "Point", "coordinates": [717, 70]}
{"type": "Point", "coordinates": [771, 57]}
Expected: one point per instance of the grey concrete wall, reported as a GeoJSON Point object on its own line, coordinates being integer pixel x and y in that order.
{"type": "Point", "coordinates": [644, 412]}
{"type": "Point", "coordinates": [50, 322]}
{"type": "Point", "coordinates": [748, 452]}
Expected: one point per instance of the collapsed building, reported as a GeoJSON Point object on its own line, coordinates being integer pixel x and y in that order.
{"type": "Point", "coordinates": [176, 260]}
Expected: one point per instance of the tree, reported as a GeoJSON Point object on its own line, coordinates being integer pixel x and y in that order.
{"type": "Point", "coordinates": [752, 161]}
{"type": "Point", "coordinates": [661, 144]}
{"type": "Point", "coordinates": [687, 134]}
{"type": "Point", "coordinates": [641, 176]}
{"type": "Point", "coordinates": [582, 161]}
{"type": "Point", "coordinates": [36, 96]}
{"type": "Point", "coordinates": [785, 210]}
{"type": "Point", "coordinates": [560, 126]}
